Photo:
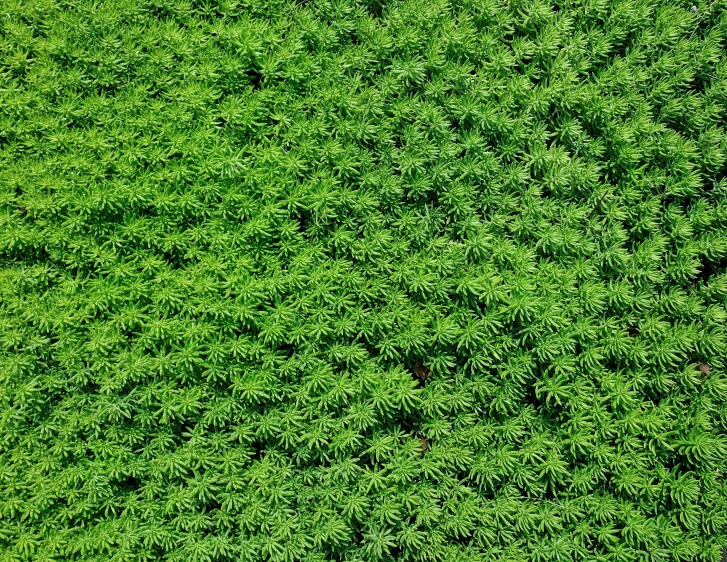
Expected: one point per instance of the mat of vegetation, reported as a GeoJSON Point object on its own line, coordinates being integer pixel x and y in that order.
{"type": "Point", "coordinates": [419, 280]}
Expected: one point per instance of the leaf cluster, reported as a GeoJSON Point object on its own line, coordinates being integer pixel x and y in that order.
{"type": "Point", "coordinates": [353, 280]}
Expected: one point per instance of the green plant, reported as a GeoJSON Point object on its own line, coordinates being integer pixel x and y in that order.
{"type": "Point", "coordinates": [363, 280]}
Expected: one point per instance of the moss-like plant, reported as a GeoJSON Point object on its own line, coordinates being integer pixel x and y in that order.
{"type": "Point", "coordinates": [359, 280]}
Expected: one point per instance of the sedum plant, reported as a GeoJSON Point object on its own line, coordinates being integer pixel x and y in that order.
{"type": "Point", "coordinates": [360, 280]}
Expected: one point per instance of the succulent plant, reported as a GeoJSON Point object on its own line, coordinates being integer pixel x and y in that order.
{"type": "Point", "coordinates": [354, 280]}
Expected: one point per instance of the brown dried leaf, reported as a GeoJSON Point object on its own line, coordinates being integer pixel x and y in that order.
{"type": "Point", "coordinates": [421, 371]}
{"type": "Point", "coordinates": [705, 368]}
{"type": "Point", "coordinates": [423, 441]}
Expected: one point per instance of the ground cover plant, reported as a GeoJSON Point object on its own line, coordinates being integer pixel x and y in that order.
{"type": "Point", "coordinates": [356, 281]}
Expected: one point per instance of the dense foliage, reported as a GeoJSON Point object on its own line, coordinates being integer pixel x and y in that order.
{"type": "Point", "coordinates": [363, 280]}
